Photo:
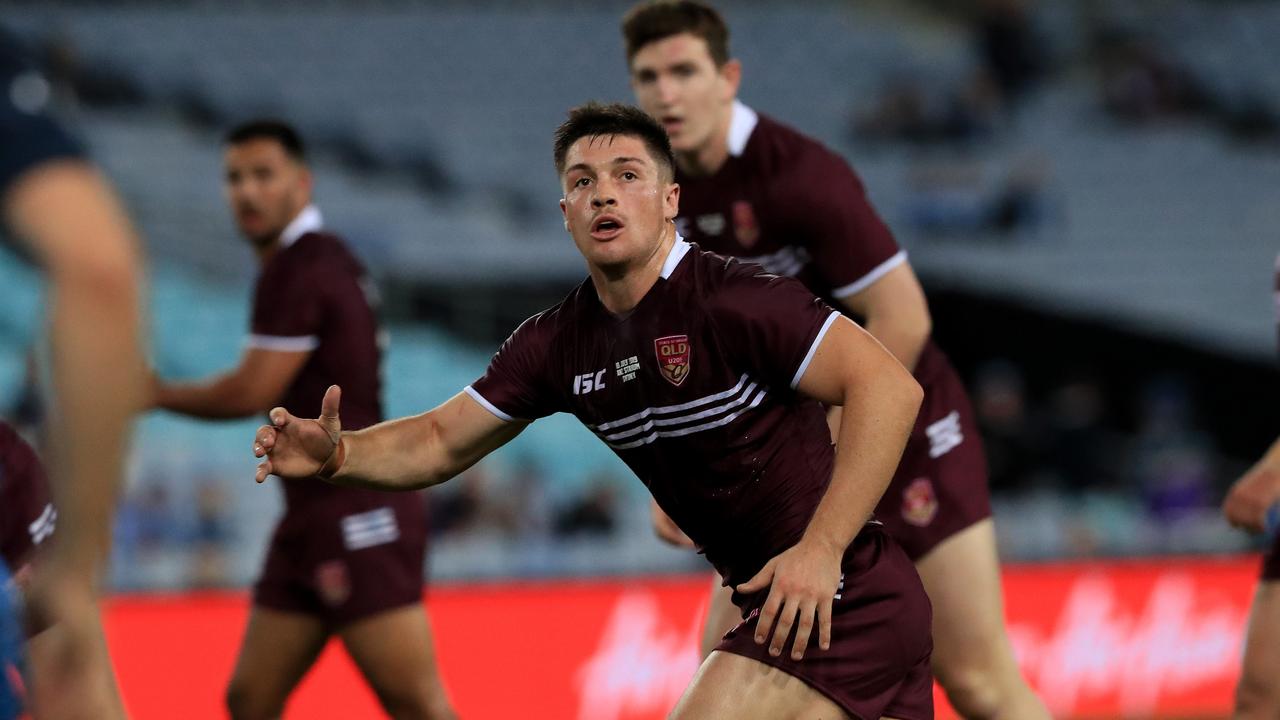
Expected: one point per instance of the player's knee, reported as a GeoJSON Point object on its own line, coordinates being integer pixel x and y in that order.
{"type": "Point", "coordinates": [244, 702]}
{"type": "Point", "coordinates": [975, 693]}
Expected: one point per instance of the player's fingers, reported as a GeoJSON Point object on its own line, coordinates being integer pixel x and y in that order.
{"type": "Point", "coordinates": [785, 620]}
{"type": "Point", "coordinates": [804, 628]}
{"type": "Point", "coordinates": [266, 437]}
{"type": "Point", "coordinates": [264, 469]}
{"type": "Point", "coordinates": [768, 611]}
{"type": "Point", "coordinates": [279, 417]}
{"type": "Point", "coordinates": [329, 405]}
{"type": "Point", "coordinates": [761, 580]}
{"type": "Point", "coordinates": [824, 624]}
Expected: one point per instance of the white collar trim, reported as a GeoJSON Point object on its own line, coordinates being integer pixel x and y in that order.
{"type": "Point", "coordinates": [307, 221]}
{"type": "Point", "coordinates": [678, 250]}
{"type": "Point", "coordinates": [741, 124]}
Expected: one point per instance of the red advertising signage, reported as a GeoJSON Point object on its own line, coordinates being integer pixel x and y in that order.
{"type": "Point", "coordinates": [1116, 640]}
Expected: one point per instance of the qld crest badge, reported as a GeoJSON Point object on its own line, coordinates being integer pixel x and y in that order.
{"type": "Point", "coordinates": [673, 357]}
{"type": "Point", "coordinates": [919, 502]}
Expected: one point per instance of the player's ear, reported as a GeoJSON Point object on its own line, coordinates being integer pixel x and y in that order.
{"type": "Point", "coordinates": [671, 202]}
{"type": "Point", "coordinates": [731, 75]}
{"type": "Point", "coordinates": [564, 211]}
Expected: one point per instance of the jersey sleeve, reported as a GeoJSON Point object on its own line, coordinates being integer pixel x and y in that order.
{"type": "Point", "coordinates": [28, 135]}
{"type": "Point", "coordinates": [25, 493]}
{"type": "Point", "coordinates": [516, 386]}
{"type": "Point", "coordinates": [850, 245]}
{"type": "Point", "coordinates": [288, 309]}
{"type": "Point", "coordinates": [771, 324]}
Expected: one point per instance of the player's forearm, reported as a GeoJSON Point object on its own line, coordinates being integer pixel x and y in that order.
{"type": "Point", "coordinates": [876, 421]}
{"type": "Point", "coordinates": [221, 398]}
{"type": "Point", "coordinates": [403, 454]}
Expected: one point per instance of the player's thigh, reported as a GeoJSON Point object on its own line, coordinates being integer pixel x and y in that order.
{"type": "Point", "coordinates": [395, 651]}
{"type": "Point", "coordinates": [733, 687]}
{"type": "Point", "coordinates": [722, 616]}
{"type": "Point", "coordinates": [1260, 679]}
{"type": "Point", "coordinates": [278, 649]}
{"type": "Point", "coordinates": [962, 577]}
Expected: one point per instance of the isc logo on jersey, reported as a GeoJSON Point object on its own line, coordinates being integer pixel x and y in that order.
{"type": "Point", "coordinates": [673, 354]}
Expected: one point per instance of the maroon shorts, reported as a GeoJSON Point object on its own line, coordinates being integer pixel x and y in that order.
{"type": "Point", "coordinates": [940, 487]}
{"type": "Point", "coordinates": [1271, 561]}
{"type": "Point", "coordinates": [881, 638]}
{"type": "Point", "coordinates": [346, 561]}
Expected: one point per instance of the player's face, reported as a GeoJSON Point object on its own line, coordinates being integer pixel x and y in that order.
{"type": "Point", "coordinates": [617, 200]}
{"type": "Point", "coordinates": [676, 81]}
{"type": "Point", "coordinates": [266, 188]}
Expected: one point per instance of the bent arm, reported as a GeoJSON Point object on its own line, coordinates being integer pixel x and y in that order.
{"type": "Point", "coordinates": [894, 310]}
{"type": "Point", "coordinates": [254, 386]}
{"type": "Point", "coordinates": [880, 401]}
{"type": "Point", "coordinates": [423, 450]}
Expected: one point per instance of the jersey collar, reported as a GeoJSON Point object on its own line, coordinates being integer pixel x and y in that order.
{"type": "Point", "coordinates": [678, 250]}
{"type": "Point", "coordinates": [307, 221]}
{"type": "Point", "coordinates": [741, 124]}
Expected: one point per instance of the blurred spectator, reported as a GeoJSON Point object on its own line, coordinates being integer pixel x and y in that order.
{"type": "Point", "coordinates": [592, 513]}
{"type": "Point", "coordinates": [1008, 48]}
{"type": "Point", "coordinates": [1009, 432]}
{"type": "Point", "coordinates": [1173, 460]}
{"type": "Point", "coordinates": [212, 535]}
{"type": "Point", "coordinates": [1083, 453]}
{"type": "Point", "coordinates": [1141, 82]}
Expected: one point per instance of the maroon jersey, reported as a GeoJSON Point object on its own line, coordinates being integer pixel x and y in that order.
{"type": "Point", "coordinates": [695, 391]}
{"type": "Point", "coordinates": [27, 517]}
{"type": "Point", "coordinates": [314, 295]}
{"type": "Point", "coordinates": [787, 203]}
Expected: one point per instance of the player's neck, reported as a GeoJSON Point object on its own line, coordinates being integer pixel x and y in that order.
{"type": "Point", "coordinates": [621, 290]}
{"type": "Point", "coordinates": [712, 155]}
{"type": "Point", "coordinates": [266, 251]}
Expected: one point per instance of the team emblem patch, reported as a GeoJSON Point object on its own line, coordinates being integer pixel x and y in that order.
{"type": "Point", "coordinates": [333, 583]}
{"type": "Point", "coordinates": [745, 226]}
{"type": "Point", "coordinates": [919, 503]}
{"type": "Point", "coordinates": [673, 357]}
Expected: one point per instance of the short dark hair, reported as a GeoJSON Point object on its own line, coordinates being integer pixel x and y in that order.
{"type": "Point", "coordinates": [599, 119]}
{"type": "Point", "coordinates": [270, 129]}
{"type": "Point", "coordinates": [652, 20]}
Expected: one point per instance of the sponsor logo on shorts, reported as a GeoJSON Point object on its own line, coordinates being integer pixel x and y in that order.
{"type": "Point", "coordinates": [673, 354]}
{"type": "Point", "coordinates": [919, 503]}
{"type": "Point", "coordinates": [333, 582]}
{"type": "Point", "coordinates": [42, 527]}
{"type": "Point", "coordinates": [370, 529]}
{"type": "Point", "coordinates": [944, 435]}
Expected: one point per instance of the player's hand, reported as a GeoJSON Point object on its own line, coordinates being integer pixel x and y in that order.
{"type": "Point", "coordinates": [1247, 501]}
{"type": "Point", "coordinates": [667, 530]}
{"type": "Point", "coordinates": [293, 447]}
{"type": "Point", "coordinates": [802, 582]}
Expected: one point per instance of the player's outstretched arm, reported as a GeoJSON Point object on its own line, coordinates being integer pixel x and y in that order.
{"type": "Point", "coordinates": [405, 454]}
{"type": "Point", "coordinates": [1254, 492]}
{"type": "Point", "coordinates": [880, 400]}
{"type": "Point", "coordinates": [252, 387]}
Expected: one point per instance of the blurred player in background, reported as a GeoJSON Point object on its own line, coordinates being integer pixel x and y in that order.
{"type": "Point", "coordinates": [73, 227]}
{"type": "Point", "coordinates": [704, 375]}
{"type": "Point", "coordinates": [1247, 506]}
{"type": "Point", "coordinates": [27, 520]}
{"type": "Point", "coordinates": [755, 189]}
{"type": "Point", "coordinates": [342, 561]}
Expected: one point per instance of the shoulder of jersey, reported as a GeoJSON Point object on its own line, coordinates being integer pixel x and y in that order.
{"type": "Point", "coordinates": [781, 146]}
